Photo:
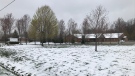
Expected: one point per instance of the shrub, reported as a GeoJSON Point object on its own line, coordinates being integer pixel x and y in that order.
{"type": "Point", "coordinates": [7, 53]}
{"type": "Point", "coordinates": [17, 59]}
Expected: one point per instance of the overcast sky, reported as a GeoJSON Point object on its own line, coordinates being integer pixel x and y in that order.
{"type": "Point", "coordinates": [75, 9]}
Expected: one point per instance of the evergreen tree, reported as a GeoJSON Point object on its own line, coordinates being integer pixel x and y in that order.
{"type": "Point", "coordinates": [15, 34]}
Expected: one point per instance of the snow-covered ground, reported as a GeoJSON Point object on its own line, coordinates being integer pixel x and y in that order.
{"type": "Point", "coordinates": [73, 60]}
{"type": "Point", "coordinates": [4, 72]}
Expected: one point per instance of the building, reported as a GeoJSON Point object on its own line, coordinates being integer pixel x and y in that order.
{"type": "Point", "coordinates": [88, 37]}
{"type": "Point", "coordinates": [13, 41]}
{"type": "Point", "coordinates": [114, 37]}
{"type": "Point", "coordinates": [106, 37]}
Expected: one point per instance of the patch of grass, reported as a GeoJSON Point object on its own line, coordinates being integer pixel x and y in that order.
{"type": "Point", "coordinates": [7, 53]}
{"type": "Point", "coordinates": [56, 46]}
{"type": "Point", "coordinates": [17, 59]}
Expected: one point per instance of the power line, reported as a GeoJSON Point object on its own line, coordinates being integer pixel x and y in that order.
{"type": "Point", "coordinates": [7, 5]}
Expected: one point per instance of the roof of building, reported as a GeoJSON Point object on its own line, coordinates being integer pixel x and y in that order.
{"type": "Point", "coordinates": [125, 37]}
{"type": "Point", "coordinates": [13, 39]}
{"type": "Point", "coordinates": [78, 35]}
{"type": "Point", "coordinates": [112, 35]}
{"type": "Point", "coordinates": [106, 35]}
{"type": "Point", "coordinates": [87, 35]}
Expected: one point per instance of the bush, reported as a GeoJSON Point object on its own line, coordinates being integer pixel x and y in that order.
{"type": "Point", "coordinates": [17, 59]}
{"type": "Point", "coordinates": [7, 53]}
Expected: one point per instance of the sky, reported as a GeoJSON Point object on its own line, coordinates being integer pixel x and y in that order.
{"type": "Point", "coordinates": [75, 9]}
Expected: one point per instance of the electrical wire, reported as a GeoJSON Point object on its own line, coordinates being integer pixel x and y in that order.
{"type": "Point", "coordinates": [7, 5]}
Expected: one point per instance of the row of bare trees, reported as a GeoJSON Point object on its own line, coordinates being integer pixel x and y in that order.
{"type": "Point", "coordinates": [45, 27]}
{"type": "Point", "coordinates": [97, 23]}
{"type": "Point", "coordinates": [22, 25]}
{"type": "Point", "coordinates": [8, 24]}
{"type": "Point", "coordinates": [126, 27]}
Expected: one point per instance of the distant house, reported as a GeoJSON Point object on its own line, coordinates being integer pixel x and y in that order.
{"type": "Point", "coordinates": [69, 38]}
{"type": "Point", "coordinates": [13, 41]}
{"type": "Point", "coordinates": [106, 37]}
{"type": "Point", "coordinates": [88, 37]}
{"type": "Point", "coordinates": [78, 37]}
{"type": "Point", "coordinates": [22, 39]}
{"type": "Point", "coordinates": [114, 37]}
{"type": "Point", "coordinates": [92, 37]}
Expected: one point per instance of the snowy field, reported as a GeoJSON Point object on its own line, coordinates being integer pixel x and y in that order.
{"type": "Point", "coordinates": [71, 60]}
{"type": "Point", "coordinates": [4, 72]}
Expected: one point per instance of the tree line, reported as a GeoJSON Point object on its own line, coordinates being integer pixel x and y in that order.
{"type": "Point", "coordinates": [45, 27]}
{"type": "Point", "coordinates": [11, 27]}
{"type": "Point", "coordinates": [126, 27]}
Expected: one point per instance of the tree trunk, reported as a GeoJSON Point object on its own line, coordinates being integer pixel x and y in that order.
{"type": "Point", "coordinates": [20, 39]}
{"type": "Point", "coordinates": [96, 44]}
{"type": "Point", "coordinates": [42, 43]}
{"type": "Point", "coordinates": [35, 41]}
{"type": "Point", "coordinates": [48, 42]}
{"type": "Point", "coordinates": [118, 41]}
{"type": "Point", "coordinates": [60, 40]}
{"type": "Point", "coordinates": [5, 38]}
{"type": "Point", "coordinates": [42, 39]}
{"type": "Point", "coordinates": [26, 41]}
{"type": "Point", "coordinates": [110, 41]}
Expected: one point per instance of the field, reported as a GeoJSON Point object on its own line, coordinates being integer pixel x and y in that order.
{"type": "Point", "coordinates": [4, 72]}
{"type": "Point", "coordinates": [69, 60]}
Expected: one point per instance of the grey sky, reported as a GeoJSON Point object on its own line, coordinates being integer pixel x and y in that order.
{"type": "Point", "coordinates": [76, 9]}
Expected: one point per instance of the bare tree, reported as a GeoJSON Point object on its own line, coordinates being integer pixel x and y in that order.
{"type": "Point", "coordinates": [6, 25]}
{"type": "Point", "coordinates": [4, 28]}
{"type": "Point", "coordinates": [26, 20]}
{"type": "Point", "coordinates": [97, 19]}
{"type": "Point", "coordinates": [85, 26]}
{"type": "Point", "coordinates": [69, 30]}
{"type": "Point", "coordinates": [61, 30]}
{"type": "Point", "coordinates": [65, 36]}
{"type": "Point", "coordinates": [102, 29]}
{"type": "Point", "coordinates": [72, 28]}
{"type": "Point", "coordinates": [1, 34]}
{"type": "Point", "coordinates": [129, 29]}
{"type": "Point", "coordinates": [85, 29]}
{"type": "Point", "coordinates": [119, 27]}
{"type": "Point", "coordinates": [110, 31]}
{"type": "Point", "coordinates": [9, 22]}
{"type": "Point", "coordinates": [20, 26]}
